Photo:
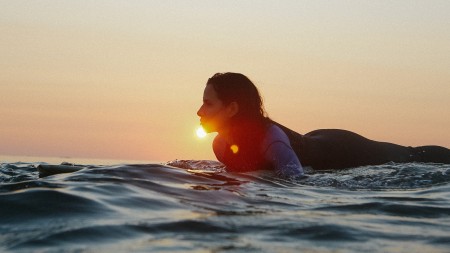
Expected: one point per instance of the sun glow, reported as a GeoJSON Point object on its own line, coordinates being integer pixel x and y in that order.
{"type": "Point", "coordinates": [201, 132]}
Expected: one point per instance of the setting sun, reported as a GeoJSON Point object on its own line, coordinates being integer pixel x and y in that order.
{"type": "Point", "coordinates": [201, 132]}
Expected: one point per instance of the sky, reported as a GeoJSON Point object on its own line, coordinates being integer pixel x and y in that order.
{"type": "Point", "coordinates": [124, 79]}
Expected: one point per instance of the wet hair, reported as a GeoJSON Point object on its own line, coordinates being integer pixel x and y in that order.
{"type": "Point", "coordinates": [249, 124]}
{"type": "Point", "coordinates": [236, 87]}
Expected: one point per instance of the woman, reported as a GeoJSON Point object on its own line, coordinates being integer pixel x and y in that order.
{"type": "Point", "coordinates": [249, 140]}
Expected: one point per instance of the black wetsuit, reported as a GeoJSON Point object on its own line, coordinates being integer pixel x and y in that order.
{"type": "Point", "coordinates": [338, 149]}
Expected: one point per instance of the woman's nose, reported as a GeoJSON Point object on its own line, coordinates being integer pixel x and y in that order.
{"type": "Point", "coordinates": [200, 111]}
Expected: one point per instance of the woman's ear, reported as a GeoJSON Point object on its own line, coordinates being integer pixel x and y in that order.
{"type": "Point", "coordinates": [232, 109]}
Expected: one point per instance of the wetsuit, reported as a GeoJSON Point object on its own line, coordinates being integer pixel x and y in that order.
{"type": "Point", "coordinates": [285, 151]}
{"type": "Point", "coordinates": [275, 152]}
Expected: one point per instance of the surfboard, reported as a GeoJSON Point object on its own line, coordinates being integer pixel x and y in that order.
{"type": "Point", "coordinates": [47, 170]}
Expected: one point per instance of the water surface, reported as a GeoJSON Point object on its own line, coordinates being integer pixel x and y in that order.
{"type": "Point", "coordinates": [195, 206]}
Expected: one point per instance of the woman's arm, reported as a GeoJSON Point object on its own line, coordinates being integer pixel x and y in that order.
{"type": "Point", "coordinates": [276, 151]}
{"type": "Point", "coordinates": [279, 153]}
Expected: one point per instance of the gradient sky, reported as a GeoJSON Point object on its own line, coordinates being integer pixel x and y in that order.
{"type": "Point", "coordinates": [124, 79]}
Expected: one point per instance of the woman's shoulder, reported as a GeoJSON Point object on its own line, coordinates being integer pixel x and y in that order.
{"type": "Point", "coordinates": [219, 146]}
{"type": "Point", "coordinates": [218, 141]}
{"type": "Point", "coordinates": [274, 134]}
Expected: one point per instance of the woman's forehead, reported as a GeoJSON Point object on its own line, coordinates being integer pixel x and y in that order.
{"type": "Point", "coordinates": [210, 93]}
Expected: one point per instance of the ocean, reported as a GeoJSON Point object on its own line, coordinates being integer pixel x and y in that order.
{"type": "Point", "coordinates": [196, 206]}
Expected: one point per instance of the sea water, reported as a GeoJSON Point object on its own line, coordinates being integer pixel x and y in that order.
{"type": "Point", "coordinates": [196, 206]}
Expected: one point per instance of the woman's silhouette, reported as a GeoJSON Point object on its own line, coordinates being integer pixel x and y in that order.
{"type": "Point", "coordinates": [249, 140]}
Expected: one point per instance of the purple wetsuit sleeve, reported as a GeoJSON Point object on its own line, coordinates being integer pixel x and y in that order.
{"type": "Point", "coordinates": [279, 153]}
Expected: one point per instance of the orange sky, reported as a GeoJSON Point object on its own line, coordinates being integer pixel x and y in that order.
{"type": "Point", "coordinates": [123, 80]}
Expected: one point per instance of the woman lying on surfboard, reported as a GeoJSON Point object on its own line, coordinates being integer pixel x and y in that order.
{"type": "Point", "coordinates": [248, 140]}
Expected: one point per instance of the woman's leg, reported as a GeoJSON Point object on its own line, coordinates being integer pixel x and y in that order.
{"type": "Point", "coordinates": [432, 154]}
{"type": "Point", "coordinates": [338, 149]}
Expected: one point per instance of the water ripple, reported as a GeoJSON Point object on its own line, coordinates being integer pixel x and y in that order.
{"type": "Point", "coordinates": [192, 206]}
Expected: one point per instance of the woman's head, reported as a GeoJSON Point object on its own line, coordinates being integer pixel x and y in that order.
{"type": "Point", "coordinates": [230, 98]}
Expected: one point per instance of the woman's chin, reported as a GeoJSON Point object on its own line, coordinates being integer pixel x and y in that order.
{"type": "Point", "coordinates": [213, 128]}
{"type": "Point", "coordinates": [208, 129]}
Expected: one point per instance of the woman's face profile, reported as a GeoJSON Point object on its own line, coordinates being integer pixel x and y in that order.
{"type": "Point", "coordinates": [213, 114]}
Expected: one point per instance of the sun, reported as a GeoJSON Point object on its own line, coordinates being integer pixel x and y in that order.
{"type": "Point", "coordinates": [201, 132]}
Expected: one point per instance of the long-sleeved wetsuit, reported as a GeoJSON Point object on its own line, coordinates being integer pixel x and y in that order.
{"type": "Point", "coordinates": [286, 151]}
